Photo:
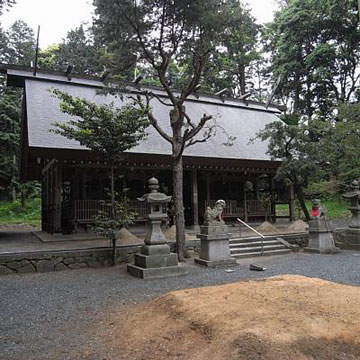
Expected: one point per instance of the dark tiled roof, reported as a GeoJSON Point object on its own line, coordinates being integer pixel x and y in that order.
{"type": "Point", "coordinates": [234, 116]}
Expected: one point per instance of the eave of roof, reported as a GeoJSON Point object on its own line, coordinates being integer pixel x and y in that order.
{"type": "Point", "coordinates": [16, 76]}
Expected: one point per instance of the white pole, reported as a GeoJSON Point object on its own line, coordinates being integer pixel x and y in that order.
{"type": "Point", "coordinates": [261, 235]}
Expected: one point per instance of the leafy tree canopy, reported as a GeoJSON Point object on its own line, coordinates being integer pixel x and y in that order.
{"type": "Point", "coordinates": [315, 47]}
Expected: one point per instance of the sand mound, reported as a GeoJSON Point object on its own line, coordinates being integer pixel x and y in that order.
{"type": "Point", "coordinates": [285, 317]}
{"type": "Point", "coordinates": [298, 225]}
{"type": "Point", "coordinates": [125, 237]}
{"type": "Point", "coordinates": [266, 227]}
{"type": "Point", "coordinates": [170, 234]}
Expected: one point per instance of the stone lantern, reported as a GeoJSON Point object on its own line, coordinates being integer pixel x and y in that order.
{"type": "Point", "coordinates": [349, 238]}
{"type": "Point", "coordinates": [155, 260]}
{"type": "Point", "coordinates": [354, 198]}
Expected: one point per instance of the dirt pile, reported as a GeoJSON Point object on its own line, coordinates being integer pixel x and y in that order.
{"type": "Point", "coordinates": [267, 228]}
{"type": "Point", "coordinates": [285, 317]}
{"type": "Point", "coordinates": [298, 226]}
{"type": "Point", "coordinates": [170, 234]}
{"type": "Point", "coordinates": [125, 237]}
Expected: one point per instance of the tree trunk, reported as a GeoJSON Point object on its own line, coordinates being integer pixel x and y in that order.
{"type": "Point", "coordinates": [113, 240]}
{"type": "Point", "coordinates": [300, 196]}
{"type": "Point", "coordinates": [179, 207]}
{"type": "Point", "coordinates": [242, 79]}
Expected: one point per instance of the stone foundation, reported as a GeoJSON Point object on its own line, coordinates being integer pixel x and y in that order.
{"type": "Point", "coordinates": [347, 238]}
{"type": "Point", "coordinates": [30, 262]}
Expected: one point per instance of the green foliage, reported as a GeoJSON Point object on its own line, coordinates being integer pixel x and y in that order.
{"type": "Point", "coordinates": [337, 208]}
{"type": "Point", "coordinates": [108, 225]}
{"type": "Point", "coordinates": [20, 47]}
{"type": "Point", "coordinates": [5, 3]}
{"type": "Point", "coordinates": [315, 46]}
{"type": "Point", "coordinates": [184, 32]}
{"type": "Point", "coordinates": [77, 49]}
{"type": "Point", "coordinates": [17, 46]}
{"type": "Point", "coordinates": [15, 212]}
{"type": "Point", "coordinates": [323, 189]}
{"type": "Point", "coordinates": [232, 64]}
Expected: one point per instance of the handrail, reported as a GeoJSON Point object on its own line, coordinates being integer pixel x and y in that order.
{"type": "Point", "coordinates": [261, 235]}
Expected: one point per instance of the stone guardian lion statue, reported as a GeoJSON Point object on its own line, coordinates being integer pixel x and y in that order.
{"type": "Point", "coordinates": [214, 216]}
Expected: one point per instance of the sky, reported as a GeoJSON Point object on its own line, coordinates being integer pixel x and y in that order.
{"type": "Point", "coordinates": [57, 17]}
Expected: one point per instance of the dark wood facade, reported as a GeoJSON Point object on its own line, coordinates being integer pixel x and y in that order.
{"type": "Point", "coordinates": [73, 190]}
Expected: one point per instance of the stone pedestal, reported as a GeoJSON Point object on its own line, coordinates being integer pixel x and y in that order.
{"type": "Point", "coordinates": [155, 260]}
{"type": "Point", "coordinates": [347, 238]}
{"type": "Point", "coordinates": [215, 249]}
{"type": "Point", "coordinates": [320, 240]}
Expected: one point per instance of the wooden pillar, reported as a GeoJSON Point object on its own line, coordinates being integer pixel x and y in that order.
{"type": "Point", "coordinates": [256, 188]}
{"type": "Point", "coordinates": [57, 189]}
{"type": "Point", "coordinates": [291, 203]}
{"type": "Point", "coordinates": [272, 195]}
{"type": "Point", "coordinates": [83, 185]}
{"type": "Point", "coordinates": [195, 198]}
{"type": "Point", "coordinates": [43, 201]}
{"type": "Point", "coordinates": [208, 187]}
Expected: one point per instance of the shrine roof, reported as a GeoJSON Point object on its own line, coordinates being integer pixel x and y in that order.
{"type": "Point", "coordinates": [239, 118]}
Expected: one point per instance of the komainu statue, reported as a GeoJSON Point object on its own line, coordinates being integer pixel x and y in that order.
{"type": "Point", "coordinates": [214, 216]}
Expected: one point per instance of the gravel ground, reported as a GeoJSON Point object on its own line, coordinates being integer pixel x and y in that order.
{"type": "Point", "coordinates": [48, 315]}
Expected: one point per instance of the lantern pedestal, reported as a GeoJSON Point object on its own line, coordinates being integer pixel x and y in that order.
{"type": "Point", "coordinates": [155, 260]}
{"type": "Point", "coordinates": [349, 238]}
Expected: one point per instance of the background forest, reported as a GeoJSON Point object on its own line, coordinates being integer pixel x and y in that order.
{"type": "Point", "coordinates": [306, 59]}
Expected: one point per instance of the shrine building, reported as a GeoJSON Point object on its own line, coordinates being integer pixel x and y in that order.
{"type": "Point", "coordinates": [73, 178]}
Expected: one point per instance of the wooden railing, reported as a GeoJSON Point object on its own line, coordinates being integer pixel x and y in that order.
{"type": "Point", "coordinates": [88, 210]}
{"type": "Point", "coordinates": [233, 209]}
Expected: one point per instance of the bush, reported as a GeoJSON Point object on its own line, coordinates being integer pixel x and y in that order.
{"type": "Point", "coordinates": [14, 213]}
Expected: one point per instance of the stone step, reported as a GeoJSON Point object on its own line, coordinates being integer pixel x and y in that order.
{"type": "Point", "coordinates": [239, 250]}
{"type": "Point", "coordinates": [245, 243]}
{"type": "Point", "coordinates": [258, 253]}
{"type": "Point", "coordinates": [250, 240]}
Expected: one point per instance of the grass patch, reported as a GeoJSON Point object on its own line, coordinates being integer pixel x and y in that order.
{"type": "Point", "coordinates": [14, 213]}
{"type": "Point", "coordinates": [337, 208]}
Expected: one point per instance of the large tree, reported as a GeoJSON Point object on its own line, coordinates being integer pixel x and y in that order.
{"type": "Point", "coordinates": [158, 33]}
{"type": "Point", "coordinates": [17, 46]}
{"type": "Point", "coordinates": [315, 46]}
{"type": "Point", "coordinates": [5, 3]}
{"type": "Point", "coordinates": [77, 49]}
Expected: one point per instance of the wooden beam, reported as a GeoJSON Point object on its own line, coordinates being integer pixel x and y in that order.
{"type": "Point", "coordinates": [195, 198]}
{"type": "Point", "coordinates": [208, 196]}
{"type": "Point", "coordinates": [245, 199]}
{"type": "Point", "coordinates": [57, 189]}
{"type": "Point", "coordinates": [48, 166]}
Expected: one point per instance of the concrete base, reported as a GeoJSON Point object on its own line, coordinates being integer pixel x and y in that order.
{"type": "Point", "coordinates": [216, 263]}
{"type": "Point", "coordinates": [333, 250]}
{"type": "Point", "coordinates": [347, 238]}
{"type": "Point", "coordinates": [320, 242]}
{"type": "Point", "coordinates": [214, 247]}
{"type": "Point", "coordinates": [155, 261]}
{"type": "Point", "coordinates": [156, 273]}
